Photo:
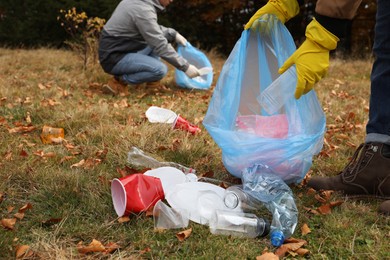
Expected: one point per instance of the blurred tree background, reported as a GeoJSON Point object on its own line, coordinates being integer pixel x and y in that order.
{"type": "Point", "coordinates": [209, 24]}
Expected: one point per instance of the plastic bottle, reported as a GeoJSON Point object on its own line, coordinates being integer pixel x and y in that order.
{"type": "Point", "coordinates": [238, 224]}
{"type": "Point", "coordinates": [138, 158]}
{"type": "Point", "coordinates": [236, 197]}
{"type": "Point", "coordinates": [279, 92]}
{"type": "Point", "coordinates": [277, 197]}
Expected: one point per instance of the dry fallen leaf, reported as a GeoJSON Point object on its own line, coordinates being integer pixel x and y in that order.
{"type": "Point", "coordinates": [305, 229]}
{"type": "Point", "coordinates": [10, 209]}
{"type": "Point", "coordinates": [291, 245]}
{"type": "Point", "coordinates": [93, 247]}
{"type": "Point", "coordinates": [50, 222]}
{"type": "Point", "coordinates": [21, 129]}
{"type": "Point", "coordinates": [325, 209]}
{"type": "Point", "coordinates": [184, 234]}
{"type": "Point", "coordinates": [302, 251]}
{"type": "Point", "coordinates": [19, 215]}
{"type": "Point", "coordinates": [25, 207]}
{"type": "Point", "coordinates": [8, 223]}
{"type": "Point", "coordinates": [23, 252]}
{"type": "Point", "coordinates": [294, 246]}
{"type": "Point", "coordinates": [78, 165]}
{"type": "Point", "coordinates": [124, 219]}
{"type": "Point", "coordinates": [267, 256]}
{"type": "Point", "coordinates": [111, 247]}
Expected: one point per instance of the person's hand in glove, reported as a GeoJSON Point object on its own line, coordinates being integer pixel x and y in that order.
{"type": "Point", "coordinates": [311, 58]}
{"type": "Point", "coordinates": [180, 39]}
{"type": "Point", "coordinates": [283, 9]}
{"type": "Point", "coordinates": [192, 71]}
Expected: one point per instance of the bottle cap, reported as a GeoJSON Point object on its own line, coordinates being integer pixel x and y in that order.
{"type": "Point", "coordinates": [231, 200]}
{"type": "Point", "coordinates": [277, 238]}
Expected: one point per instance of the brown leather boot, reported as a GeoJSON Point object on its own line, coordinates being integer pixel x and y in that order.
{"type": "Point", "coordinates": [384, 208]}
{"type": "Point", "coordinates": [367, 174]}
{"type": "Point", "coordinates": [115, 87]}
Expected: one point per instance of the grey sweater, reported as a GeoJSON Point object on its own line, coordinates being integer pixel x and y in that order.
{"type": "Point", "coordinates": [132, 26]}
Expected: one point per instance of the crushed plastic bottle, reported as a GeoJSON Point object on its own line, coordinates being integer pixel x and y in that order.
{"type": "Point", "coordinates": [138, 158]}
{"type": "Point", "coordinates": [277, 197]}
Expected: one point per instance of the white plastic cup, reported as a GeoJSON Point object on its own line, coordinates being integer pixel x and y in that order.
{"type": "Point", "coordinates": [279, 92]}
{"type": "Point", "coordinates": [160, 115]}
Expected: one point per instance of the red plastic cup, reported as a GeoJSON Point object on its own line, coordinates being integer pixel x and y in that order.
{"type": "Point", "coordinates": [135, 193]}
{"type": "Point", "coordinates": [183, 124]}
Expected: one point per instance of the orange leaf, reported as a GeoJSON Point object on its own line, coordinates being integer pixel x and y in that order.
{"type": "Point", "coordinates": [281, 251]}
{"type": "Point", "coordinates": [21, 129]}
{"type": "Point", "coordinates": [326, 194]}
{"type": "Point", "coordinates": [313, 211]}
{"type": "Point", "coordinates": [294, 240]}
{"type": "Point", "coordinates": [124, 219]}
{"type": "Point", "coordinates": [111, 247]}
{"type": "Point", "coordinates": [148, 249]}
{"type": "Point", "coordinates": [302, 251]}
{"type": "Point", "coordinates": [8, 223]}
{"type": "Point", "coordinates": [324, 209]}
{"type": "Point", "coordinates": [311, 191]}
{"type": "Point", "coordinates": [305, 229]}
{"type": "Point", "coordinates": [25, 207]}
{"type": "Point", "coordinates": [319, 198]}
{"type": "Point", "coordinates": [267, 256]}
{"type": "Point", "coordinates": [79, 164]}
{"type": "Point", "coordinates": [23, 252]}
{"type": "Point", "coordinates": [184, 234]}
{"type": "Point", "coordinates": [293, 246]}
{"type": "Point", "coordinates": [93, 247]}
{"type": "Point", "coordinates": [19, 215]}
{"type": "Point", "coordinates": [23, 153]}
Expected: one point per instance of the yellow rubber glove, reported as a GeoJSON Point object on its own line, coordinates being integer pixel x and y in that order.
{"type": "Point", "coordinates": [312, 57]}
{"type": "Point", "coordinates": [283, 9]}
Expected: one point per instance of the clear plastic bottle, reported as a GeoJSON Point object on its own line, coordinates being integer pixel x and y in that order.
{"type": "Point", "coordinates": [138, 158]}
{"type": "Point", "coordinates": [236, 197]}
{"type": "Point", "coordinates": [277, 197]}
{"type": "Point", "coordinates": [239, 224]}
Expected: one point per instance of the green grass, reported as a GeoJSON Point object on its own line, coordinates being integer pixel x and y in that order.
{"type": "Point", "coordinates": [94, 122]}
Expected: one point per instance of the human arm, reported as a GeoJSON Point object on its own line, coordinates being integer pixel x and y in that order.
{"type": "Point", "coordinates": [159, 37]}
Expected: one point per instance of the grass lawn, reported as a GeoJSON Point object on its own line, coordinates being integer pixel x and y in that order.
{"type": "Point", "coordinates": [55, 199]}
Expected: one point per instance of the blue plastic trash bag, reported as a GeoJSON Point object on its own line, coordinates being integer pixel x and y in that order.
{"type": "Point", "coordinates": [283, 141]}
{"type": "Point", "coordinates": [197, 58]}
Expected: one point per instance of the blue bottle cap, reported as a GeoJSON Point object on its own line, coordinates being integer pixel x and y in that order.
{"type": "Point", "coordinates": [277, 238]}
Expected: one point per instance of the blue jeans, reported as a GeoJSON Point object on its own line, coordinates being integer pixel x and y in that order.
{"type": "Point", "coordinates": [378, 126]}
{"type": "Point", "coordinates": [142, 66]}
